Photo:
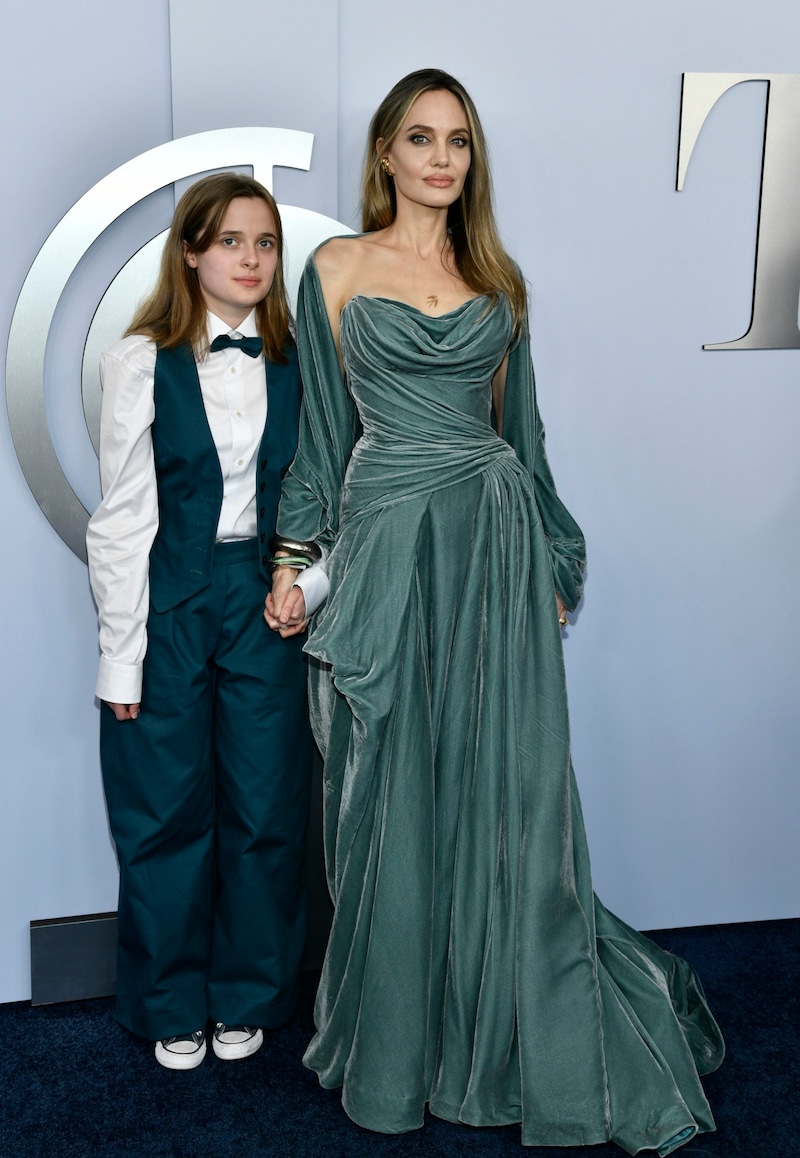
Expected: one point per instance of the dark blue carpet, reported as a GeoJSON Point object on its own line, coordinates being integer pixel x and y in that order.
{"type": "Point", "coordinates": [74, 1084]}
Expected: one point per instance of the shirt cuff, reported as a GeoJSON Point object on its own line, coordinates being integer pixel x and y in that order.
{"type": "Point", "coordinates": [314, 584]}
{"type": "Point", "coordinates": [119, 683]}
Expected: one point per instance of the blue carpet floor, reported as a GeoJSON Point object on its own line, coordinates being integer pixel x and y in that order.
{"type": "Point", "coordinates": [73, 1084]}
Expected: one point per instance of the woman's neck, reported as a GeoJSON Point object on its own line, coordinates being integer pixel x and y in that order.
{"type": "Point", "coordinates": [418, 229]}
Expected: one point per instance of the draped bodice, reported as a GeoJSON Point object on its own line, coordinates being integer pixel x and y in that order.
{"type": "Point", "coordinates": [420, 376]}
{"type": "Point", "coordinates": [422, 387]}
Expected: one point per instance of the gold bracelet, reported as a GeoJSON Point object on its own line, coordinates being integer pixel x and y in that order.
{"type": "Point", "coordinates": [307, 548]}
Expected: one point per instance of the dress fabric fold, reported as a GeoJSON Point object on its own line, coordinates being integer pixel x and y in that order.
{"type": "Point", "coordinates": [470, 968]}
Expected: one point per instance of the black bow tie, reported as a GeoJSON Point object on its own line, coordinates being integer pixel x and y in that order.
{"type": "Point", "coordinates": [251, 346]}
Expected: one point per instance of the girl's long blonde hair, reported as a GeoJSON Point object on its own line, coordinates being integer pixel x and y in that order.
{"type": "Point", "coordinates": [174, 314]}
{"type": "Point", "coordinates": [480, 258]}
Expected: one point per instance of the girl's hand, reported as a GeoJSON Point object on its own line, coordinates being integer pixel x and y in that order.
{"type": "Point", "coordinates": [124, 711]}
{"type": "Point", "coordinates": [285, 606]}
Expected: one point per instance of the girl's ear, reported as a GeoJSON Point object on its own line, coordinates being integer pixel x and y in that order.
{"type": "Point", "coordinates": [189, 257]}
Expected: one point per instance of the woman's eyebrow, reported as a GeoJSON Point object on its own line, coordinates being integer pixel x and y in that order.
{"type": "Point", "coordinates": [430, 129]}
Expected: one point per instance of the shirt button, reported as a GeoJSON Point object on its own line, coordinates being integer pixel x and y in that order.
{"type": "Point", "coordinates": [233, 369]}
{"type": "Point", "coordinates": [240, 462]}
{"type": "Point", "coordinates": [238, 414]}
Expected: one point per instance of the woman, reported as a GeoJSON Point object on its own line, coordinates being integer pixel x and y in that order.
{"type": "Point", "coordinates": [469, 966]}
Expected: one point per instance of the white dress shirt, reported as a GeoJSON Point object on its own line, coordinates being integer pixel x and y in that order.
{"type": "Point", "coordinates": [122, 529]}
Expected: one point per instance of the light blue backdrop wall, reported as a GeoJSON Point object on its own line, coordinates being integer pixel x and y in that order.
{"type": "Point", "coordinates": [680, 464]}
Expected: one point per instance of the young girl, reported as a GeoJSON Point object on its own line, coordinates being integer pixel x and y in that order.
{"type": "Point", "coordinates": [204, 739]}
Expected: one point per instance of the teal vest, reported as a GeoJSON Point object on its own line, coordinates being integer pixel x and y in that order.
{"type": "Point", "coordinates": [189, 478]}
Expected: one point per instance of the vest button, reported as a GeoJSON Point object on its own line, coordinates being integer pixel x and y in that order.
{"type": "Point", "coordinates": [263, 464]}
{"type": "Point", "coordinates": [261, 513]}
{"type": "Point", "coordinates": [263, 536]}
{"type": "Point", "coordinates": [264, 560]}
{"type": "Point", "coordinates": [261, 487]}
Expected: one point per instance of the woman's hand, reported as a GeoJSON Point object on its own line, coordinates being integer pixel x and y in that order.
{"type": "Point", "coordinates": [562, 612]}
{"type": "Point", "coordinates": [124, 711]}
{"type": "Point", "coordinates": [285, 606]}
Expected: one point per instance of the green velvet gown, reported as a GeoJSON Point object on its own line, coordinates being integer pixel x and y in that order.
{"type": "Point", "coordinates": [470, 967]}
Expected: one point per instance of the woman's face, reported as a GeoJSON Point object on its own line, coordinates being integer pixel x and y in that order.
{"type": "Point", "coordinates": [431, 155]}
{"type": "Point", "coordinates": [237, 271]}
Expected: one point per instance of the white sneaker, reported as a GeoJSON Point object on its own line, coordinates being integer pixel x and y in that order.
{"type": "Point", "coordinates": [182, 1052]}
{"type": "Point", "coordinates": [231, 1042]}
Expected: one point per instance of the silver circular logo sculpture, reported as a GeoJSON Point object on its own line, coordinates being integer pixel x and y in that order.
{"type": "Point", "coordinates": [258, 148]}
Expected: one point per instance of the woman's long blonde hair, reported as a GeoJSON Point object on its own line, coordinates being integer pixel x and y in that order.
{"type": "Point", "coordinates": [480, 259]}
{"type": "Point", "coordinates": [175, 312]}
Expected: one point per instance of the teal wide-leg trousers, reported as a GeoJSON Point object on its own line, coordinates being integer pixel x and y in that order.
{"type": "Point", "coordinates": [207, 797]}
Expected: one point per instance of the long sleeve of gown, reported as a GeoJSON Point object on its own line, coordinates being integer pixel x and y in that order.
{"type": "Point", "coordinates": [523, 430]}
{"type": "Point", "coordinates": [329, 426]}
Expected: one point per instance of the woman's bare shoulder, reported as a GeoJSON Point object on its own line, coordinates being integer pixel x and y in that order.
{"type": "Point", "coordinates": [340, 265]}
{"type": "Point", "coordinates": [336, 257]}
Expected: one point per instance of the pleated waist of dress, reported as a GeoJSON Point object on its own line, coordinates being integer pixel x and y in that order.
{"type": "Point", "coordinates": [384, 470]}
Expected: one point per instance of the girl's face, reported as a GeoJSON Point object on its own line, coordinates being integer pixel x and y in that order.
{"type": "Point", "coordinates": [236, 273]}
{"type": "Point", "coordinates": [431, 155]}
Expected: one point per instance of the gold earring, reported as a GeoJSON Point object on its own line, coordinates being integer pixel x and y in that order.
{"type": "Point", "coordinates": [385, 166]}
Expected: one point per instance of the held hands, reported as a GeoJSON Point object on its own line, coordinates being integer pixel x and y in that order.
{"type": "Point", "coordinates": [562, 612]}
{"type": "Point", "coordinates": [285, 606]}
